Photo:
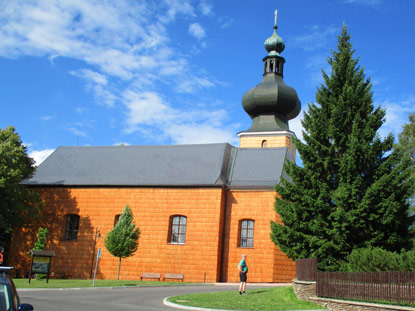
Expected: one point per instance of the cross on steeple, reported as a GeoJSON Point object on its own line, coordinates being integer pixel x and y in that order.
{"type": "Point", "coordinates": [276, 17]}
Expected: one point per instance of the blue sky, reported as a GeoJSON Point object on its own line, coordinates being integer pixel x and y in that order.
{"type": "Point", "coordinates": [94, 72]}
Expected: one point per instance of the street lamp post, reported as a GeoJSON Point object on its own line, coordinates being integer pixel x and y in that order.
{"type": "Point", "coordinates": [97, 236]}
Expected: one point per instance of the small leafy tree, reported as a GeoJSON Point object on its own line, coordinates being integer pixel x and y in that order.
{"type": "Point", "coordinates": [42, 235]}
{"type": "Point", "coordinates": [122, 240]}
{"type": "Point", "coordinates": [39, 245]}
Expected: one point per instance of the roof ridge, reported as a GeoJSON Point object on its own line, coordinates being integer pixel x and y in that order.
{"type": "Point", "coordinates": [144, 146]}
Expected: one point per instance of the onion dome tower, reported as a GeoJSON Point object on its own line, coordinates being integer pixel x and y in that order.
{"type": "Point", "coordinates": [271, 103]}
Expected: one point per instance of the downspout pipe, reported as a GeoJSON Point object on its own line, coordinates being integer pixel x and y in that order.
{"type": "Point", "coordinates": [222, 253]}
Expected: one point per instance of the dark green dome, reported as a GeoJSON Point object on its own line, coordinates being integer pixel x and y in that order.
{"type": "Point", "coordinates": [272, 103]}
{"type": "Point", "coordinates": [274, 44]}
{"type": "Point", "coordinates": [272, 97]}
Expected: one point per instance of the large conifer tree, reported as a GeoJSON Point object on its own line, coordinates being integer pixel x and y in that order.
{"type": "Point", "coordinates": [406, 145]}
{"type": "Point", "coordinates": [350, 192]}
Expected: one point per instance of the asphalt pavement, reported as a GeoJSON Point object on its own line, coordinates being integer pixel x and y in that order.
{"type": "Point", "coordinates": [116, 298]}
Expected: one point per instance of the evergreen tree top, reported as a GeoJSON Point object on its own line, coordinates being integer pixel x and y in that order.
{"type": "Point", "coordinates": [351, 191]}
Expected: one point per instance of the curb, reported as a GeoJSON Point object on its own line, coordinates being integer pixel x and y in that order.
{"type": "Point", "coordinates": [103, 287]}
{"type": "Point", "coordinates": [147, 286]}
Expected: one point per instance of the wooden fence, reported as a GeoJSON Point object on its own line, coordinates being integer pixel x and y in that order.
{"type": "Point", "coordinates": [306, 269]}
{"type": "Point", "coordinates": [395, 287]}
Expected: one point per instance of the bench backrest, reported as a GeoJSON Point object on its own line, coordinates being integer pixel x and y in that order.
{"type": "Point", "coordinates": [151, 275]}
{"type": "Point", "coordinates": [173, 276]}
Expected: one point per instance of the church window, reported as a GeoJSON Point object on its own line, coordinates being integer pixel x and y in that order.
{"type": "Point", "coordinates": [72, 227]}
{"type": "Point", "coordinates": [246, 233]}
{"type": "Point", "coordinates": [177, 232]}
{"type": "Point", "coordinates": [116, 219]}
{"type": "Point", "coordinates": [264, 143]}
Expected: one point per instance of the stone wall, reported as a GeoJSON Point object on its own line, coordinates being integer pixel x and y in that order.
{"type": "Point", "coordinates": [304, 290]}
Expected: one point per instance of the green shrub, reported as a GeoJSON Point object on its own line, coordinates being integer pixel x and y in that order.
{"type": "Point", "coordinates": [408, 260]}
{"type": "Point", "coordinates": [378, 259]}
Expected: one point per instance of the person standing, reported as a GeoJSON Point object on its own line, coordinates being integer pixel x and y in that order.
{"type": "Point", "coordinates": [243, 270]}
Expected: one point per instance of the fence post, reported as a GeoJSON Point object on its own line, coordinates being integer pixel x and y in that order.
{"type": "Point", "coordinates": [399, 288]}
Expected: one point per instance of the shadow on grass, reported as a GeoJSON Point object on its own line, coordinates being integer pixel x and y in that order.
{"type": "Point", "coordinates": [260, 291]}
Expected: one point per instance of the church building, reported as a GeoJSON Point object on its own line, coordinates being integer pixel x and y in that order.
{"type": "Point", "coordinates": [198, 207]}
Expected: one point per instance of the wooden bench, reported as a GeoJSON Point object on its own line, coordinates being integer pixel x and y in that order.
{"type": "Point", "coordinates": [173, 276]}
{"type": "Point", "coordinates": [150, 276]}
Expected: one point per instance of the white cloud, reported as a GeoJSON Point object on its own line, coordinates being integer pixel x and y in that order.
{"type": "Point", "coordinates": [197, 31]}
{"type": "Point", "coordinates": [397, 112]}
{"type": "Point", "coordinates": [76, 131]}
{"type": "Point", "coordinates": [206, 7]}
{"type": "Point", "coordinates": [97, 82]}
{"type": "Point", "coordinates": [116, 42]}
{"type": "Point", "coordinates": [225, 21]}
{"type": "Point", "coordinates": [118, 38]}
{"type": "Point", "coordinates": [90, 75]}
{"type": "Point", "coordinates": [40, 155]}
{"type": "Point", "coordinates": [191, 85]}
{"type": "Point", "coordinates": [80, 110]}
{"type": "Point", "coordinates": [147, 108]}
{"type": "Point", "coordinates": [149, 113]}
{"type": "Point", "coordinates": [319, 41]}
{"type": "Point", "coordinates": [296, 126]}
{"type": "Point", "coordinates": [364, 2]}
{"type": "Point", "coordinates": [176, 7]}
{"type": "Point", "coordinates": [80, 128]}
{"type": "Point", "coordinates": [47, 118]}
{"type": "Point", "coordinates": [316, 37]}
{"type": "Point", "coordinates": [201, 134]}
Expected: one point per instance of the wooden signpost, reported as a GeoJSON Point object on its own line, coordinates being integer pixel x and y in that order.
{"type": "Point", "coordinates": [41, 261]}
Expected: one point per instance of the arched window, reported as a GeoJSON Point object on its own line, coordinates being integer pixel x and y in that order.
{"type": "Point", "coordinates": [72, 227]}
{"type": "Point", "coordinates": [177, 231]}
{"type": "Point", "coordinates": [264, 143]}
{"type": "Point", "coordinates": [246, 233]}
{"type": "Point", "coordinates": [116, 219]}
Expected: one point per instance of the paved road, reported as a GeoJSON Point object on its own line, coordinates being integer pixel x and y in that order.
{"type": "Point", "coordinates": [110, 299]}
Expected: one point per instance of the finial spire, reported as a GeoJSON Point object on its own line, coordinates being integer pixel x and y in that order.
{"type": "Point", "coordinates": [276, 17]}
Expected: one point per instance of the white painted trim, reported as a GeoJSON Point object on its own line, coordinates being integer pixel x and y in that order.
{"type": "Point", "coordinates": [273, 133]}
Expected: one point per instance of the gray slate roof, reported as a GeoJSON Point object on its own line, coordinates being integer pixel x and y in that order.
{"type": "Point", "coordinates": [258, 167]}
{"type": "Point", "coordinates": [173, 165]}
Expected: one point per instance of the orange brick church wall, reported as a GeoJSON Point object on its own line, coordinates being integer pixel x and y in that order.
{"type": "Point", "coordinates": [151, 208]}
{"type": "Point", "coordinates": [199, 259]}
{"type": "Point", "coordinates": [265, 260]}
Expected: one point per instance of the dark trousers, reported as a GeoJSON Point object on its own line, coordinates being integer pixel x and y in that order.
{"type": "Point", "coordinates": [242, 276]}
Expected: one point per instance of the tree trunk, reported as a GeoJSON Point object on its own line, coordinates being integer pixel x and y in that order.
{"type": "Point", "coordinates": [119, 267]}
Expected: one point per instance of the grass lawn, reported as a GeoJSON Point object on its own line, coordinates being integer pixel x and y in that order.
{"type": "Point", "coordinates": [275, 298]}
{"type": "Point", "coordinates": [54, 283]}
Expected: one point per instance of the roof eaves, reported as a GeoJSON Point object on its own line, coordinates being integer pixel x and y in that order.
{"type": "Point", "coordinates": [50, 185]}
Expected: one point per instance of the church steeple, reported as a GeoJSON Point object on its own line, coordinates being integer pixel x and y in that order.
{"type": "Point", "coordinates": [272, 102]}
